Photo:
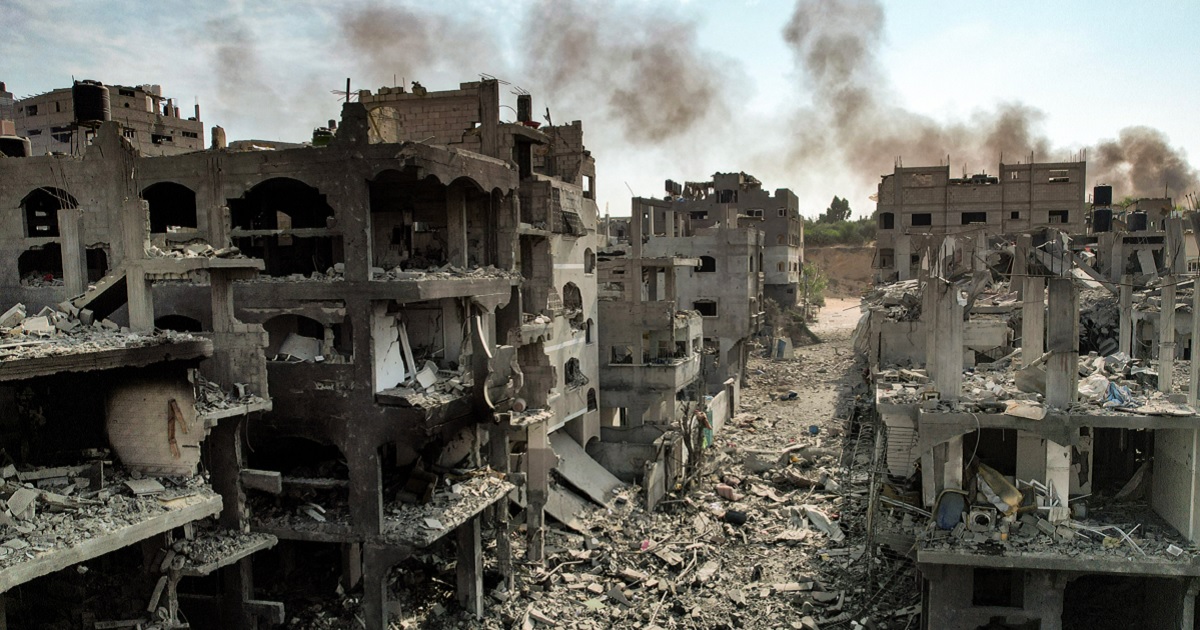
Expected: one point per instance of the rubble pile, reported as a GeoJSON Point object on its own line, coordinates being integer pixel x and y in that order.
{"type": "Point", "coordinates": [1112, 384]}
{"type": "Point", "coordinates": [67, 330]}
{"type": "Point", "coordinates": [900, 300]}
{"type": "Point", "coordinates": [51, 509]}
{"type": "Point", "coordinates": [771, 534]}
{"type": "Point", "coordinates": [443, 272]}
{"type": "Point", "coordinates": [211, 398]}
{"type": "Point", "coordinates": [195, 249]}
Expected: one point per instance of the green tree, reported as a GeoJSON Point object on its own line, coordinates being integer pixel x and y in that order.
{"type": "Point", "coordinates": [838, 211]}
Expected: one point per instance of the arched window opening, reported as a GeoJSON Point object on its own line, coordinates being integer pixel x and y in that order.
{"type": "Point", "coordinates": [708, 264]}
{"type": "Point", "coordinates": [592, 404]}
{"type": "Point", "coordinates": [41, 211]}
{"type": "Point", "coordinates": [172, 207]}
{"type": "Point", "coordinates": [287, 223]}
{"type": "Point", "coordinates": [573, 374]}
{"type": "Point", "coordinates": [573, 305]}
{"type": "Point", "coordinates": [589, 261]}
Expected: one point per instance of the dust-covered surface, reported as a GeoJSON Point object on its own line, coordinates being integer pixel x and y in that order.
{"type": "Point", "coordinates": [794, 466]}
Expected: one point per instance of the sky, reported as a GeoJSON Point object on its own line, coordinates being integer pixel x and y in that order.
{"type": "Point", "coordinates": [819, 96]}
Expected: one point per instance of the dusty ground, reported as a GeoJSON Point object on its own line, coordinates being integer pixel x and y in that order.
{"type": "Point", "coordinates": [788, 461]}
{"type": "Point", "coordinates": [847, 268]}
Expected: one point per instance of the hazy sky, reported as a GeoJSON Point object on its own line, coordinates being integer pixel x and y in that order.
{"type": "Point", "coordinates": [819, 97]}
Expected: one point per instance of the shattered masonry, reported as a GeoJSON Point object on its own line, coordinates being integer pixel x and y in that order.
{"type": "Point", "coordinates": [222, 365]}
{"type": "Point", "coordinates": [1032, 381]}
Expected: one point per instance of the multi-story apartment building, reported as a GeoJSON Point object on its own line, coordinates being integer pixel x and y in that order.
{"type": "Point", "coordinates": [427, 295]}
{"type": "Point", "coordinates": [926, 200]}
{"type": "Point", "coordinates": [65, 120]}
{"type": "Point", "coordinates": [778, 218]}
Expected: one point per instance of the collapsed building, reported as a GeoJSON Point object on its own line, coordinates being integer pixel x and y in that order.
{"type": "Point", "coordinates": [419, 294]}
{"type": "Point", "coordinates": [916, 201]}
{"type": "Point", "coordinates": [1038, 426]}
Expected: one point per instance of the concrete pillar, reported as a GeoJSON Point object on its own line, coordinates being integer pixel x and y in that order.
{"type": "Point", "coordinates": [456, 226]}
{"type": "Point", "coordinates": [499, 459]}
{"type": "Point", "coordinates": [1033, 318]}
{"type": "Point", "coordinates": [1166, 335]}
{"type": "Point", "coordinates": [352, 566]}
{"type": "Point", "coordinates": [1194, 384]}
{"type": "Point", "coordinates": [1058, 470]}
{"type": "Point", "coordinates": [902, 254]}
{"type": "Point", "coordinates": [636, 217]}
{"type": "Point", "coordinates": [1062, 369]}
{"type": "Point", "coordinates": [1044, 594]}
{"type": "Point", "coordinates": [540, 459]}
{"type": "Point", "coordinates": [951, 455]}
{"type": "Point", "coordinates": [979, 252]}
{"type": "Point", "coordinates": [140, 296]}
{"type": "Point", "coordinates": [366, 490]}
{"type": "Point", "coordinates": [1020, 265]}
{"type": "Point", "coordinates": [74, 253]}
{"type": "Point", "coordinates": [1187, 612]}
{"type": "Point", "coordinates": [378, 560]}
{"type": "Point", "coordinates": [1125, 341]}
{"type": "Point", "coordinates": [945, 339]}
{"type": "Point", "coordinates": [1031, 460]}
{"type": "Point", "coordinates": [469, 568]}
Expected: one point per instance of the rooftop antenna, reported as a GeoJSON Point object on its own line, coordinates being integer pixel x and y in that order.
{"type": "Point", "coordinates": [348, 95]}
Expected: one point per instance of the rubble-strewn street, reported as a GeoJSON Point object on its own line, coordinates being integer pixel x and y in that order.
{"type": "Point", "coordinates": [771, 535]}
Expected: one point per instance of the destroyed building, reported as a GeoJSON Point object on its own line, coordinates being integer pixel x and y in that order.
{"type": "Point", "coordinates": [725, 286]}
{"type": "Point", "coordinates": [66, 119]}
{"type": "Point", "coordinates": [424, 310]}
{"type": "Point", "coordinates": [914, 203]}
{"type": "Point", "coordinates": [778, 218]}
{"type": "Point", "coordinates": [1039, 434]}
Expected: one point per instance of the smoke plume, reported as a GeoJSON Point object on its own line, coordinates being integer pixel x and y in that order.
{"type": "Point", "coordinates": [641, 62]}
{"type": "Point", "coordinates": [406, 42]}
{"type": "Point", "coordinates": [853, 118]}
{"type": "Point", "coordinates": [1141, 161]}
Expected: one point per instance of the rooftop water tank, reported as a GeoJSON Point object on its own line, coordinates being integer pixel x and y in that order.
{"type": "Point", "coordinates": [90, 99]}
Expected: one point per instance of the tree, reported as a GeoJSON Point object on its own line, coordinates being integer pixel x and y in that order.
{"type": "Point", "coordinates": [838, 210]}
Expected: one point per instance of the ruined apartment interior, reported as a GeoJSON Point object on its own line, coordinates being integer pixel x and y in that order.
{"type": "Point", "coordinates": [1039, 454]}
{"type": "Point", "coordinates": [232, 369]}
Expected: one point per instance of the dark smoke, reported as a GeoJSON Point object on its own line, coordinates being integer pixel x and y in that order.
{"type": "Point", "coordinates": [642, 62]}
{"type": "Point", "coordinates": [410, 43]}
{"type": "Point", "coordinates": [853, 118]}
{"type": "Point", "coordinates": [1141, 161]}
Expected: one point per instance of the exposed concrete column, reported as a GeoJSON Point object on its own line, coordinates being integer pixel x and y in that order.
{"type": "Point", "coordinates": [1044, 596]}
{"type": "Point", "coordinates": [221, 293]}
{"type": "Point", "coordinates": [635, 228]}
{"type": "Point", "coordinates": [979, 254]}
{"type": "Point", "coordinates": [1187, 612]}
{"type": "Point", "coordinates": [74, 253]}
{"type": "Point", "coordinates": [1194, 384]}
{"type": "Point", "coordinates": [1125, 316]}
{"type": "Point", "coordinates": [1062, 368]}
{"type": "Point", "coordinates": [456, 226]}
{"type": "Point", "coordinates": [366, 488]}
{"type": "Point", "coordinates": [901, 254]}
{"type": "Point", "coordinates": [1166, 335]}
{"type": "Point", "coordinates": [140, 295]}
{"type": "Point", "coordinates": [947, 335]}
{"type": "Point", "coordinates": [540, 459]}
{"type": "Point", "coordinates": [1020, 264]}
{"type": "Point", "coordinates": [1177, 257]}
{"type": "Point", "coordinates": [1058, 470]}
{"type": "Point", "coordinates": [498, 459]}
{"type": "Point", "coordinates": [1033, 318]}
{"type": "Point", "coordinates": [469, 568]}
{"type": "Point", "coordinates": [378, 560]}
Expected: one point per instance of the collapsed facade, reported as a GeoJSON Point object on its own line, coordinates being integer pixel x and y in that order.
{"type": "Point", "coordinates": [425, 310]}
{"type": "Point", "coordinates": [916, 201]}
{"type": "Point", "coordinates": [1039, 436]}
